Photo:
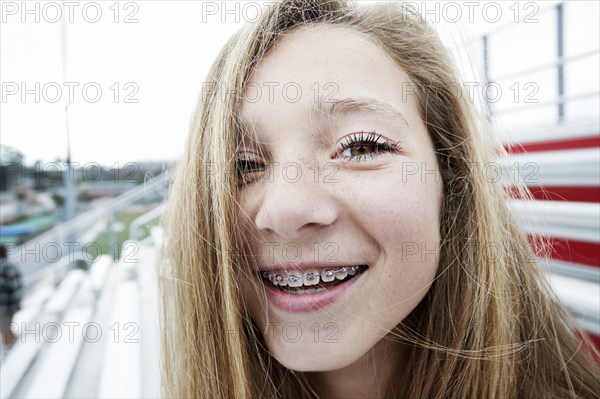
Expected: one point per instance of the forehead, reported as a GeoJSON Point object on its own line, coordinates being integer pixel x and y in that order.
{"type": "Point", "coordinates": [324, 63]}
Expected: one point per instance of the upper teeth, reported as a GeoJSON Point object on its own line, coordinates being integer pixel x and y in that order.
{"type": "Point", "coordinates": [294, 278]}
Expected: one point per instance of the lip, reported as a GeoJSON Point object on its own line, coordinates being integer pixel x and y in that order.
{"type": "Point", "coordinates": [310, 302]}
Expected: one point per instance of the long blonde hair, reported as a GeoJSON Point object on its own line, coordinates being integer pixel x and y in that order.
{"type": "Point", "coordinates": [488, 327]}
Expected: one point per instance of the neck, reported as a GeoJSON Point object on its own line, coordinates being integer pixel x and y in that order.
{"type": "Point", "coordinates": [365, 378]}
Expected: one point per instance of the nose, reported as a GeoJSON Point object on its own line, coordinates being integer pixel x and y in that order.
{"type": "Point", "coordinates": [296, 204]}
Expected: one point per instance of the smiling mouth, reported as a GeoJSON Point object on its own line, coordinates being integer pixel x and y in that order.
{"type": "Point", "coordinates": [311, 281]}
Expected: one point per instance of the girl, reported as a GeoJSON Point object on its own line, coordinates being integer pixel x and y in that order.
{"type": "Point", "coordinates": [331, 234]}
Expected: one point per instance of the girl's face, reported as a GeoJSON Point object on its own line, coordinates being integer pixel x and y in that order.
{"type": "Point", "coordinates": [339, 171]}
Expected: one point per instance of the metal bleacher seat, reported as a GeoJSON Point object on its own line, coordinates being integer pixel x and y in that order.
{"type": "Point", "coordinates": [94, 335]}
{"type": "Point", "coordinates": [86, 333]}
{"type": "Point", "coordinates": [34, 335]}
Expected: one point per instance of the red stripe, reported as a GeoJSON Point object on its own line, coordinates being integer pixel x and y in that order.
{"type": "Point", "coordinates": [582, 252]}
{"type": "Point", "coordinates": [595, 339]}
{"type": "Point", "coordinates": [565, 144]}
{"type": "Point", "coordinates": [566, 193]}
{"type": "Point", "coordinates": [587, 253]}
{"type": "Point", "coordinates": [560, 193]}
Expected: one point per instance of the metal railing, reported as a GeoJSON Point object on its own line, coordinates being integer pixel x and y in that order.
{"type": "Point", "coordinates": [134, 227]}
{"type": "Point", "coordinates": [559, 64]}
{"type": "Point", "coordinates": [55, 249]}
{"type": "Point", "coordinates": [576, 285]}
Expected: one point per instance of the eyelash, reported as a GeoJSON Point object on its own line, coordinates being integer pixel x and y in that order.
{"type": "Point", "coordinates": [371, 139]}
{"type": "Point", "coordinates": [361, 139]}
{"type": "Point", "coordinates": [241, 176]}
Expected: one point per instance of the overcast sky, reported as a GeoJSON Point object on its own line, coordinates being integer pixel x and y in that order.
{"type": "Point", "coordinates": [154, 66]}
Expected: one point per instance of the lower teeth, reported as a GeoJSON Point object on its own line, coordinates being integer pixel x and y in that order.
{"type": "Point", "coordinates": [301, 291]}
{"type": "Point", "coordinates": [314, 290]}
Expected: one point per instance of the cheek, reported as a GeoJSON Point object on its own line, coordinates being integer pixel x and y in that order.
{"type": "Point", "coordinates": [403, 218]}
{"type": "Point", "coordinates": [252, 294]}
{"type": "Point", "coordinates": [247, 234]}
{"type": "Point", "coordinates": [395, 208]}
{"type": "Point", "coordinates": [253, 300]}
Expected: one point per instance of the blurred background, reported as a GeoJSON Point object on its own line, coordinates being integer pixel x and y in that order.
{"type": "Point", "coordinates": [96, 101]}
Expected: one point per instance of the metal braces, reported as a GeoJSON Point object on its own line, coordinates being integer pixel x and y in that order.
{"type": "Point", "coordinates": [310, 276]}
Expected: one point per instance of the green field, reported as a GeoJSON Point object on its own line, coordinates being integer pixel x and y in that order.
{"type": "Point", "coordinates": [122, 220]}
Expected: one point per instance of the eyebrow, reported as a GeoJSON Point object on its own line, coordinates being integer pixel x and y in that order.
{"type": "Point", "coordinates": [350, 105]}
{"type": "Point", "coordinates": [337, 108]}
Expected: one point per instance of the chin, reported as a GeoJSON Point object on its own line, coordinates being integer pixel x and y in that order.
{"type": "Point", "coordinates": [315, 362]}
{"type": "Point", "coordinates": [308, 356]}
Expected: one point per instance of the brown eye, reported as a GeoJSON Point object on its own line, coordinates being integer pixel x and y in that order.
{"type": "Point", "coordinates": [360, 146]}
{"type": "Point", "coordinates": [246, 167]}
{"type": "Point", "coordinates": [361, 149]}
